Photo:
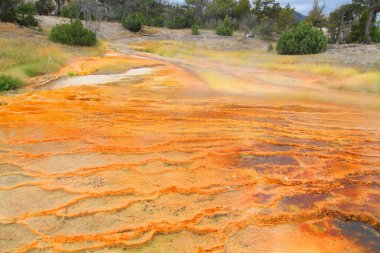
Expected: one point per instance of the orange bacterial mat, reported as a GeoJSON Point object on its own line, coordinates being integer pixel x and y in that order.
{"type": "Point", "coordinates": [162, 162]}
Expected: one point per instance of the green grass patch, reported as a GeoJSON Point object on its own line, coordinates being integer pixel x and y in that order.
{"type": "Point", "coordinates": [376, 79]}
{"type": "Point", "coordinates": [9, 83]}
{"type": "Point", "coordinates": [22, 58]}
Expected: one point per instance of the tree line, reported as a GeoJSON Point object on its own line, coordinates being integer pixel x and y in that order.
{"type": "Point", "coordinates": [355, 22]}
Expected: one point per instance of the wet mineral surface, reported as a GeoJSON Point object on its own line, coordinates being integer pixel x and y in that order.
{"type": "Point", "coordinates": [166, 162]}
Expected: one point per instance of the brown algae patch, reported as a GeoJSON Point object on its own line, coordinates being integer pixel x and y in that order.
{"type": "Point", "coordinates": [254, 160]}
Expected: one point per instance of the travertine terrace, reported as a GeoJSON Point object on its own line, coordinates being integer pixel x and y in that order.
{"type": "Point", "coordinates": [179, 160]}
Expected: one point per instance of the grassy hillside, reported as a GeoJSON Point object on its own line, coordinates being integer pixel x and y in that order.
{"type": "Point", "coordinates": [25, 53]}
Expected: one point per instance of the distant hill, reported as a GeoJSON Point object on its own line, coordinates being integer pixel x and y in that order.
{"type": "Point", "coordinates": [299, 16]}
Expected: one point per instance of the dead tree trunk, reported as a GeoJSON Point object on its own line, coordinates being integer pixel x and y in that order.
{"type": "Point", "coordinates": [59, 4]}
{"type": "Point", "coordinates": [371, 16]}
{"type": "Point", "coordinates": [58, 12]}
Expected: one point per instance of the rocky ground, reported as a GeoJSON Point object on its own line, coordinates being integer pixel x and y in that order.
{"type": "Point", "coordinates": [356, 55]}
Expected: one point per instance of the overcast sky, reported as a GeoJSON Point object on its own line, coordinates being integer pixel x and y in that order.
{"type": "Point", "coordinates": [304, 6]}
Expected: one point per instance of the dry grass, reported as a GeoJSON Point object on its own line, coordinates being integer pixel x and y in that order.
{"type": "Point", "coordinates": [338, 76]}
{"type": "Point", "coordinates": [25, 53]}
{"type": "Point", "coordinates": [341, 77]}
{"type": "Point", "coordinates": [197, 50]}
{"type": "Point", "coordinates": [23, 58]}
